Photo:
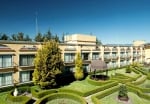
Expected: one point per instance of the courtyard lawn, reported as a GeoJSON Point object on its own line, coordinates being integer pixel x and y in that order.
{"type": "Point", "coordinates": [62, 101]}
{"type": "Point", "coordinates": [134, 99]}
{"type": "Point", "coordinates": [81, 86]}
{"type": "Point", "coordinates": [3, 96]}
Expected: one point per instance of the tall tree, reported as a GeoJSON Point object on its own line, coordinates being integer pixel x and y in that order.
{"type": "Point", "coordinates": [48, 63]}
{"type": "Point", "coordinates": [63, 37]}
{"type": "Point", "coordinates": [4, 37]}
{"type": "Point", "coordinates": [78, 67]}
{"type": "Point", "coordinates": [27, 38]}
{"type": "Point", "coordinates": [39, 37]}
{"type": "Point", "coordinates": [20, 36]}
{"type": "Point", "coordinates": [98, 42]}
{"type": "Point", "coordinates": [56, 38]}
{"type": "Point", "coordinates": [48, 35]}
{"type": "Point", "coordinates": [14, 37]}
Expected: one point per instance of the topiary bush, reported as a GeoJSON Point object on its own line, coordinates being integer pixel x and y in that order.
{"type": "Point", "coordinates": [123, 93]}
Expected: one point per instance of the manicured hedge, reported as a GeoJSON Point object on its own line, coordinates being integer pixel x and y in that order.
{"type": "Point", "coordinates": [61, 95]}
{"type": "Point", "coordinates": [71, 91]}
{"type": "Point", "coordinates": [122, 80]}
{"type": "Point", "coordinates": [144, 90]}
{"type": "Point", "coordinates": [142, 71]}
{"type": "Point", "coordinates": [138, 92]}
{"type": "Point", "coordinates": [97, 83]}
{"type": "Point", "coordinates": [18, 99]}
{"type": "Point", "coordinates": [38, 93]}
{"type": "Point", "coordinates": [136, 71]}
{"type": "Point", "coordinates": [104, 93]}
{"type": "Point", "coordinates": [101, 88]}
{"type": "Point", "coordinates": [140, 80]}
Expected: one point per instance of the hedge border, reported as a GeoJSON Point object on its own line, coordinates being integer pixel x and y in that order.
{"type": "Point", "coordinates": [61, 95]}
{"type": "Point", "coordinates": [101, 88]}
{"type": "Point", "coordinates": [144, 90]}
{"type": "Point", "coordinates": [95, 98]}
{"type": "Point", "coordinates": [22, 99]}
{"type": "Point", "coordinates": [140, 81]}
{"type": "Point", "coordinates": [138, 92]}
{"type": "Point", "coordinates": [41, 93]}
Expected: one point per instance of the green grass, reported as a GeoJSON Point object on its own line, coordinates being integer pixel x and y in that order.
{"type": "Point", "coordinates": [134, 99]}
{"type": "Point", "coordinates": [3, 97]}
{"type": "Point", "coordinates": [62, 101]}
{"type": "Point", "coordinates": [82, 86]}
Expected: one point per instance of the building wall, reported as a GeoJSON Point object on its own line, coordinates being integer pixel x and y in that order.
{"type": "Point", "coordinates": [21, 52]}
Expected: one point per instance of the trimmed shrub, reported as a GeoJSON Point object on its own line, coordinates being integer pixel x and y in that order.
{"type": "Point", "coordinates": [138, 92]}
{"type": "Point", "coordinates": [19, 99]}
{"type": "Point", "coordinates": [71, 91]}
{"type": "Point", "coordinates": [45, 92]}
{"type": "Point", "coordinates": [35, 90]}
{"type": "Point", "coordinates": [123, 92]}
{"type": "Point", "coordinates": [136, 71]}
{"type": "Point", "coordinates": [38, 93]}
{"type": "Point", "coordinates": [60, 95]}
{"type": "Point", "coordinates": [143, 90]}
{"type": "Point", "coordinates": [140, 80]}
{"type": "Point", "coordinates": [96, 98]}
{"type": "Point", "coordinates": [101, 88]}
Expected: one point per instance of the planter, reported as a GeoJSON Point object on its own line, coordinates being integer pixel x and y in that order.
{"type": "Point", "coordinates": [123, 98]}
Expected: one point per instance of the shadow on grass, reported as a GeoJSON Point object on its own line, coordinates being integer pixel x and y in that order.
{"type": "Point", "coordinates": [31, 101]}
{"type": "Point", "coordinates": [99, 77]}
{"type": "Point", "coordinates": [66, 78]}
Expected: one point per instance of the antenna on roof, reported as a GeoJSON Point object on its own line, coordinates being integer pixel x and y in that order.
{"type": "Point", "coordinates": [36, 23]}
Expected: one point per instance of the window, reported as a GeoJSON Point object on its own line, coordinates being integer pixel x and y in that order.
{"type": "Point", "coordinates": [25, 76]}
{"type": "Point", "coordinates": [26, 60]}
{"type": "Point", "coordinates": [5, 79]}
{"type": "Point", "coordinates": [69, 69]}
{"type": "Point", "coordinates": [106, 55]}
{"type": "Point", "coordinates": [69, 57]}
{"type": "Point", "coordinates": [95, 56]}
{"type": "Point", "coordinates": [85, 56]}
{"type": "Point", "coordinates": [86, 68]}
{"type": "Point", "coordinates": [5, 61]}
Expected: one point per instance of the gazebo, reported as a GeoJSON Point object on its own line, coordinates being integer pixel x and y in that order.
{"type": "Point", "coordinates": [98, 65]}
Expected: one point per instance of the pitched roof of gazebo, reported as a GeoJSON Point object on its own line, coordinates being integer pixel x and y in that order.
{"type": "Point", "coordinates": [98, 64]}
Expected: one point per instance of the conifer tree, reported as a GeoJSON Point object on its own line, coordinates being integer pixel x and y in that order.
{"type": "Point", "coordinates": [78, 67]}
{"type": "Point", "coordinates": [48, 64]}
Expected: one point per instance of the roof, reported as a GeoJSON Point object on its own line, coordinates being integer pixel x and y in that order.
{"type": "Point", "coordinates": [98, 64]}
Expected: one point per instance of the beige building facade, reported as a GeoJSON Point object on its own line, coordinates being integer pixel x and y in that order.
{"type": "Point", "coordinates": [16, 58]}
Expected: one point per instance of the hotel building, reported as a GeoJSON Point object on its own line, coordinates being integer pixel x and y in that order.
{"type": "Point", "coordinates": [16, 58]}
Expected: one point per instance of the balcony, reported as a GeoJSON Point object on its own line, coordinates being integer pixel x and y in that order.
{"type": "Point", "coordinates": [69, 62]}
{"type": "Point", "coordinates": [122, 57]}
{"type": "Point", "coordinates": [11, 68]}
{"type": "Point", "coordinates": [70, 49]}
{"type": "Point", "coordinates": [114, 57]}
{"type": "Point", "coordinates": [107, 58]}
{"type": "Point", "coordinates": [27, 67]}
{"type": "Point", "coordinates": [8, 69]}
{"type": "Point", "coordinates": [114, 50]}
{"type": "Point", "coordinates": [122, 50]}
{"type": "Point", "coordinates": [28, 48]}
